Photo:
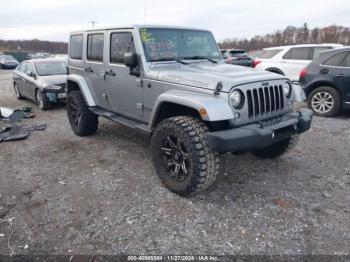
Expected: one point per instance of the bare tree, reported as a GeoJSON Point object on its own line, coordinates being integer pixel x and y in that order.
{"type": "Point", "coordinates": [292, 35]}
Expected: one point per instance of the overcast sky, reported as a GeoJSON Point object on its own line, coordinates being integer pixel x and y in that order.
{"type": "Point", "coordinates": [54, 19]}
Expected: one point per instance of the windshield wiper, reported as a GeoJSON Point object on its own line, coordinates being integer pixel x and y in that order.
{"type": "Point", "coordinates": [169, 59]}
{"type": "Point", "coordinates": [201, 57]}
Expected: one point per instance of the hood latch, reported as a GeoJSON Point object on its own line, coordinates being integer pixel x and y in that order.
{"type": "Point", "coordinates": [218, 88]}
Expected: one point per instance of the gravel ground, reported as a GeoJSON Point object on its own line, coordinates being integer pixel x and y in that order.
{"type": "Point", "coordinates": [71, 195]}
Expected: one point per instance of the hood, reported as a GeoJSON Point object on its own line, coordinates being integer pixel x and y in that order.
{"type": "Point", "coordinates": [207, 75]}
{"type": "Point", "coordinates": [53, 80]}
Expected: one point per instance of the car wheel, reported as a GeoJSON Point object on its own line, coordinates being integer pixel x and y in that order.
{"type": "Point", "coordinates": [181, 156]}
{"type": "Point", "coordinates": [42, 101]}
{"type": "Point", "coordinates": [17, 92]}
{"type": "Point", "coordinates": [325, 101]}
{"type": "Point", "coordinates": [81, 119]}
{"type": "Point", "coordinates": [278, 148]}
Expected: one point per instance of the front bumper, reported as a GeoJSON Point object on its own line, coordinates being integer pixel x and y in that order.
{"type": "Point", "coordinates": [7, 66]}
{"type": "Point", "coordinates": [260, 135]}
{"type": "Point", "coordinates": [55, 94]}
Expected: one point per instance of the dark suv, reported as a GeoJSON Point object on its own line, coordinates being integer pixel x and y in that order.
{"type": "Point", "coordinates": [326, 82]}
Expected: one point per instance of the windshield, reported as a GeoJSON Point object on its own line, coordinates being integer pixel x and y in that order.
{"type": "Point", "coordinates": [7, 57]}
{"type": "Point", "coordinates": [164, 44]}
{"type": "Point", "coordinates": [46, 68]}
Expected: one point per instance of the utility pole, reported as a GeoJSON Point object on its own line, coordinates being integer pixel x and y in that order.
{"type": "Point", "coordinates": [144, 11]}
{"type": "Point", "coordinates": [93, 23]}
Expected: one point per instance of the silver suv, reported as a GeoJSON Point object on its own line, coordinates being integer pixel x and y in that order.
{"type": "Point", "coordinates": [172, 83]}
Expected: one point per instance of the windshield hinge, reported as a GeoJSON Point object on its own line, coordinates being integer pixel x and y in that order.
{"type": "Point", "coordinates": [218, 88]}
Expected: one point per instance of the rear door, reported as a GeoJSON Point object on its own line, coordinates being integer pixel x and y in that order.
{"type": "Point", "coordinates": [342, 77]}
{"type": "Point", "coordinates": [295, 60]}
{"type": "Point", "coordinates": [124, 89]}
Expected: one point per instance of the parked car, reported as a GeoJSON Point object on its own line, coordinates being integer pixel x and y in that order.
{"type": "Point", "coordinates": [326, 82]}
{"type": "Point", "coordinates": [173, 84]}
{"type": "Point", "coordinates": [289, 60]}
{"type": "Point", "coordinates": [237, 57]}
{"type": "Point", "coordinates": [41, 80]}
{"type": "Point", "coordinates": [8, 62]}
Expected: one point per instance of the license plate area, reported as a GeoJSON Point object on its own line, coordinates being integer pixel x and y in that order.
{"type": "Point", "coordinates": [283, 133]}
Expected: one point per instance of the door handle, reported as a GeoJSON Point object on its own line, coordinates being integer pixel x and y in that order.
{"type": "Point", "coordinates": [324, 71]}
{"type": "Point", "coordinates": [110, 73]}
{"type": "Point", "coordinates": [340, 75]}
{"type": "Point", "coordinates": [89, 70]}
{"type": "Point", "coordinates": [103, 76]}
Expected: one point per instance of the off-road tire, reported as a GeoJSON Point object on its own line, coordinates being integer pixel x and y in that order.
{"type": "Point", "coordinates": [87, 123]}
{"type": "Point", "coordinates": [42, 100]}
{"type": "Point", "coordinates": [17, 92]}
{"type": "Point", "coordinates": [336, 98]}
{"type": "Point", "coordinates": [279, 148]}
{"type": "Point", "coordinates": [203, 162]}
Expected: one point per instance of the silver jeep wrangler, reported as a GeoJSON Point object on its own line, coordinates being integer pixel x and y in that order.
{"type": "Point", "coordinates": [172, 83]}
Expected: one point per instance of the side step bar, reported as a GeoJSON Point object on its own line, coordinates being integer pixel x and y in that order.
{"type": "Point", "coordinates": [120, 119]}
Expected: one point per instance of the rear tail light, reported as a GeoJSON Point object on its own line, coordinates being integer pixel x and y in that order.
{"type": "Point", "coordinates": [256, 62]}
{"type": "Point", "coordinates": [303, 73]}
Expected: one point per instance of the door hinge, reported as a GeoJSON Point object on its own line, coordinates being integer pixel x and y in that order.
{"type": "Point", "coordinates": [139, 106]}
{"type": "Point", "coordinates": [139, 82]}
{"type": "Point", "coordinates": [104, 96]}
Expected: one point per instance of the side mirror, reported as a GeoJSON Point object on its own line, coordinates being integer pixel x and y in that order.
{"type": "Point", "coordinates": [130, 60]}
{"type": "Point", "coordinates": [30, 73]}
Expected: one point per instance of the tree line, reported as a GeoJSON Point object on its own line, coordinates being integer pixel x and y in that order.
{"type": "Point", "coordinates": [291, 35]}
{"type": "Point", "coordinates": [34, 45]}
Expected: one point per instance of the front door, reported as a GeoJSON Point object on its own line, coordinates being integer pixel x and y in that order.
{"type": "Point", "coordinates": [28, 88]}
{"type": "Point", "coordinates": [95, 68]}
{"type": "Point", "coordinates": [124, 89]}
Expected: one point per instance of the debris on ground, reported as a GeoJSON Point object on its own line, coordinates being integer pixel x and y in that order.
{"type": "Point", "coordinates": [282, 203]}
{"type": "Point", "coordinates": [13, 115]}
{"type": "Point", "coordinates": [16, 132]}
{"type": "Point", "coordinates": [326, 195]}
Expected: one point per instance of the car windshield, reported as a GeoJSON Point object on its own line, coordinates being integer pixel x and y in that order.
{"type": "Point", "coordinates": [46, 68]}
{"type": "Point", "coordinates": [165, 44]}
{"type": "Point", "coordinates": [238, 53]}
{"type": "Point", "coordinates": [7, 57]}
{"type": "Point", "coordinates": [267, 54]}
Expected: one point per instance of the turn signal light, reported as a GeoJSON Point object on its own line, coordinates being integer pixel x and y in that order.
{"type": "Point", "coordinates": [256, 62]}
{"type": "Point", "coordinates": [303, 73]}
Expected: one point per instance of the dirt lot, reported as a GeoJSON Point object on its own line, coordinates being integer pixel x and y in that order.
{"type": "Point", "coordinates": [71, 195]}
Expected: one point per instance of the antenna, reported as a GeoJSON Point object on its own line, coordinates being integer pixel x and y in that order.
{"type": "Point", "coordinates": [144, 11]}
{"type": "Point", "coordinates": [93, 23]}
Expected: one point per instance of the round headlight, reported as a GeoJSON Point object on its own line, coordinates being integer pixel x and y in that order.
{"type": "Point", "coordinates": [287, 89]}
{"type": "Point", "coordinates": [236, 99]}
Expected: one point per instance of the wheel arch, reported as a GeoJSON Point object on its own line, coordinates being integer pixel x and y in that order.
{"type": "Point", "coordinates": [77, 82]}
{"type": "Point", "coordinates": [275, 70]}
{"type": "Point", "coordinates": [310, 88]}
{"type": "Point", "coordinates": [202, 106]}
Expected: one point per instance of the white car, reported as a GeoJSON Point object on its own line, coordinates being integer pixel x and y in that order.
{"type": "Point", "coordinates": [289, 60]}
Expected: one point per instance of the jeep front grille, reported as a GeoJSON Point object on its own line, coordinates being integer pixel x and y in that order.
{"type": "Point", "coordinates": [265, 100]}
